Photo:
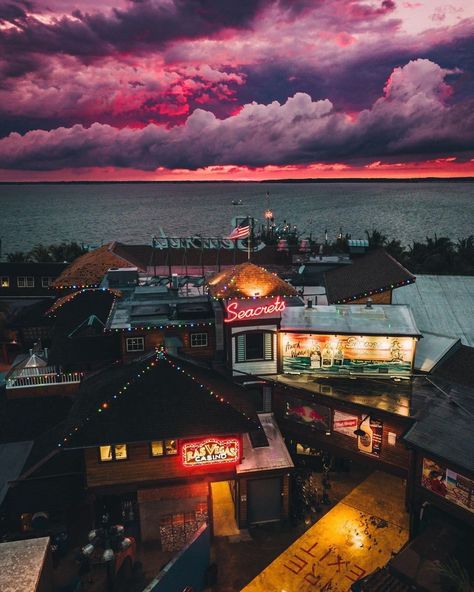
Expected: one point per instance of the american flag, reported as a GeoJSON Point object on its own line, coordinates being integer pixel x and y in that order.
{"type": "Point", "coordinates": [241, 231]}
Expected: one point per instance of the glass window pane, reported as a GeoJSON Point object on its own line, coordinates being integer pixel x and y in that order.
{"type": "Point", "coordinates": [105, 453]}
{"type": "Point", "coordinates": [171, 447]}
{"type": "Point", "coordinates": [254, 346]}
{"type": "Point", "coordinates": [120, 451]}
{"type": "Point", "coordinates": [157, 448]}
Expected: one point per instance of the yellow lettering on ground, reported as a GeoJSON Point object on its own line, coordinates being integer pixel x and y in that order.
{"type": "Point", "coordinates": [357, 536]}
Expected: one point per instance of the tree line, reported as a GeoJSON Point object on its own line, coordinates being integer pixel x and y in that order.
{"type": "Point", "coordinates": [55, 253]}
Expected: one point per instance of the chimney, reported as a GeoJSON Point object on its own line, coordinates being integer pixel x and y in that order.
{"type": "Point", "coordinates": [309, 303]}
{"type": "Point", "coordinates": [369, 303]}
{"type": "Point", "coordinates": [174, 281]}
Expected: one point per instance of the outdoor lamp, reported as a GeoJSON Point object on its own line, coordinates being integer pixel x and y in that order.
{"type": "Point", "coordinates": [108, 555]}
{"type": "Point", "coordinates": [360, 432]}
{"type": "Point", "coordinates": [88, 550]}
{"type": "Point", "coordinates": [92, 535]}
{"type": "Point", "coordinates": [125, 544]}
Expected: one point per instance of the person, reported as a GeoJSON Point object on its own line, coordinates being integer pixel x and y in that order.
{"type": "Point", "coordinates": [436, 483]}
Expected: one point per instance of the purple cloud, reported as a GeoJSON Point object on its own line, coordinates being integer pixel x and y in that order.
{"type": "Point", "coordinates": [411, 117]}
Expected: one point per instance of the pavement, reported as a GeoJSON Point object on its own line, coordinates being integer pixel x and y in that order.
{"type": "Point", "coordinates": [361, 533]}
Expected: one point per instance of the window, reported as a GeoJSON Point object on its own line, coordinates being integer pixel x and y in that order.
{"type": "Point", "coordinates": [4, 281]}
{"type": "Point", "coordinates": [164, 447]}
{"type": "Point", "coordinates": [135, 344]}
{"type": "Point", "coordinates": [198, 339]}
{"type": "Point", "coordinates": [25, 281]}
{"type": "Point", "coordinates": [254, 346]}
{"type": "Point", "coordinates": [113, 452]}
{"type": "Point", "coordinates": [46, 281]}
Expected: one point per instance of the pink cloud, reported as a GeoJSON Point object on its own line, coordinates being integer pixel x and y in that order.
{"type": "Point", "coordinates": [410, 117]}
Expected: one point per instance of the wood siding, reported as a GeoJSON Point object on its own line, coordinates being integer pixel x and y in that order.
{"type": "Point", "coordinates": [258, 367]}
{"type": "Point", "coordinates": [391, 456]}
{"type": "Point", "coordinates": [140, 468]}
{"type": "Point", "coordinates": [377, 298]}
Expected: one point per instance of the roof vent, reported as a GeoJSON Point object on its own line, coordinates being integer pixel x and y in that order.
{"type": "Point", "coordinates": [369, 303]}
{"type": "Point", "coordinates": [310, 303]}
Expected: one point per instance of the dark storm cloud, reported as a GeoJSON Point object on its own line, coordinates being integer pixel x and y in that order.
{"type": "Point", "coordinates": [149, 23]}
{"type": "Point", "coordinates": [410, 118]}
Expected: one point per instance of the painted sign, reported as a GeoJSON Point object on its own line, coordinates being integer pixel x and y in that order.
{"type": "Point", "coordinates": [371, 441]}
{"type": "Point", "coordinates": [446, 483]}
{"type": "Point", "coordinates": [201, 242]}
{"type": "Point", "coordinates": [210, 451]}
{"type": "Point", "coordinates": [341, 354]}
{"type": "Point", "coordinates": [315, 416]}
{"type": "Point", "coordinates": [346, 424]}
{"type": "Point", "coordinates": [241, 310]}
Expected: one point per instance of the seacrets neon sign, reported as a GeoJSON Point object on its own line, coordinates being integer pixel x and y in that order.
{"type": "Point", "coordinates": [239, 312]}
{"type": "Point", "coordinates": [210, 452]}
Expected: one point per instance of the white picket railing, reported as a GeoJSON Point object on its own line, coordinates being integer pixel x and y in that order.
{"type": "Point", "coordinates": [43, 380]}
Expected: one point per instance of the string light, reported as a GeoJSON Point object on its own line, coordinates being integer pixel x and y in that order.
{"type": "Point", "coordinates": [65, 299]}
{"type": "Point", "coordinates": [375, 291]}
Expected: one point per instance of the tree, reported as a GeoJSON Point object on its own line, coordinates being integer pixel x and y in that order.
{"type": "Point", "coordinates": [376, 239]}
{"type": "Point", "coordinates": [18, 257]}
{"type": "Point", "coordinates": [41, 254]}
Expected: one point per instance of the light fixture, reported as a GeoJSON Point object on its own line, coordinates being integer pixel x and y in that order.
{"type": "Point", "coordinates": [108, 555]}
{"type": "Point", "coordinates": [360, 432]}
{"type": "Point", "coordinates": [88, 550]}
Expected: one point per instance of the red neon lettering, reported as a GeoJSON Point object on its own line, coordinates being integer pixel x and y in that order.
{"type": "Point", "coordinates": [234, 314]}
{"type": "Point", "coordinates": [209, 452]}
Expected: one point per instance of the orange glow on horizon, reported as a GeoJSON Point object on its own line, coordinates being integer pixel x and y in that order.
{"type": "Point", "coordinates": [446, 167]}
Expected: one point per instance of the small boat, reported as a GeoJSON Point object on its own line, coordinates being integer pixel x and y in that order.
{"type": "Point", "coordinates": [237, 202]}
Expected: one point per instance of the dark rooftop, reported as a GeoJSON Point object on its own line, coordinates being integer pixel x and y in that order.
{"type": "Point", "coordinates": [458, 366]}
{"type": "Point", "coordinates": [155, 399]}
{"type": "Point", "coordinates": [376, 271]}
{"type": "Point", "coordinates": [404, 398]}
{"type": "Point", "coordinates": [444, 428]}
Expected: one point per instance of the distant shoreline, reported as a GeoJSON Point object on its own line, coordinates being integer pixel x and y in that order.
{"type": "Point", "coordinates": [273, 181]}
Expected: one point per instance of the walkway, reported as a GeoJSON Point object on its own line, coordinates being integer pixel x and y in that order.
{"type": "Point", "coordinates": [223, 512]}
{"type": "Point", "coordinates": [358, 535]}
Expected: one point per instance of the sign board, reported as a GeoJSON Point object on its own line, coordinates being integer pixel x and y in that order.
{"type": "Point", "coordinates": [210, 451]}
{"type": "Point", "coordinates": [342, 354]}
{"type": "Point", "coordinates": [315, 416]}
{"type": "Point", "coordinates": [247, 310]}
{"type": "Point", "coordinates": [346, 424]}
{"type": "Point", "coordinates": [371, 441]}
{"type": "Point", "coordinates": [446, 483]}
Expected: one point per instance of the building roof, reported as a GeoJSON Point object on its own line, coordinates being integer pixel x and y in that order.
{"type": "Point", "coordinates": [377, 271]}
{"type": "Point", "coordinates": [47, 269]}
{"type": "Point", "coordinates": [264, 458]}
{"type": "Point", "coordinates": [152, 400]}
{"type": "Point", "coordinates": [458, 366]}
{"type": "Point", "coordinates": [353, 319]}
{"type": "Point", "coordinates": [89, 269]}
{"type": "Point", "coordinates": [445, 425]}
{"type": "Point", "coordinates": [12, 459]}
{"type": "Point", "coordinates": [247, 281]}
{"type": "Point", "coordinates": [156, 306]}
{"type": "Point", "coordinates": [432, 349]}
{"type": "Point", "coordinates": [441, 304]}
{"type": "Point", "coordinates": [21, 564]}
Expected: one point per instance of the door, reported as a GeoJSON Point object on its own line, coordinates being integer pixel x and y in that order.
{"type": "Point", "coordinates": [264, 500]}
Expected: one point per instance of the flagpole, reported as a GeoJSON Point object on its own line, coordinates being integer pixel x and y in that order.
{"type": "Point", "coordinates": [250, 238]}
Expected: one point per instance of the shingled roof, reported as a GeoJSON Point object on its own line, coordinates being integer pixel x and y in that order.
{"type": "Point", "coordinates": [458, 366]}
{"type": "Point", "coordinates": [377, 271]}
{"type": "Point", "coordinates": [88, 270]}
{"type": "Point", "coordinates": [246, 281]}
{"type": "Point", "coordinates": [158, 402]}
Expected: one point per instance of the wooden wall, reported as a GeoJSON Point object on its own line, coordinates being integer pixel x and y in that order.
{"type": "Point", "coordinates": [392, 457]}
{"type": "Point", "coordinates": [140, 468]}
{"type": "Point", "coordinates": [378, 298]}
{"type": "Point", "coordinates": [156, 338]}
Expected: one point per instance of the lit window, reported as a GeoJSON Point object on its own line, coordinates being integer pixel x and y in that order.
{"type": "Point", "coordinates": [5, 281]}
{"type": "Point", "coordinates": [171, 447]}
{"type": "Point", "coordinates": [113, 452]}
{"type": "Point", "coordinates": [25, 281]}
{"type": "Point", "coordinates": [135, 344]}
{"type": "Point", "coordinates": [164, 447]}
{"type": "Point", "coordinates": [198, 339]}
{"type": "Point", "coordinates": [46, 281]}
{"type": "Point", "coordinates": [157, 448]}
{"type": "Point", "coordinates": [254, 346]}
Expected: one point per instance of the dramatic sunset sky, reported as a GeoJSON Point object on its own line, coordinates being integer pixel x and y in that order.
{"type": "Point", "coordinates": [235, 89]}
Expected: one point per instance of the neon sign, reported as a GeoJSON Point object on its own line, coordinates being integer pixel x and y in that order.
{"type": "Point", "coordinates": [236, 313]}
{"type": "Point", "coordinates": [210, 452]}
